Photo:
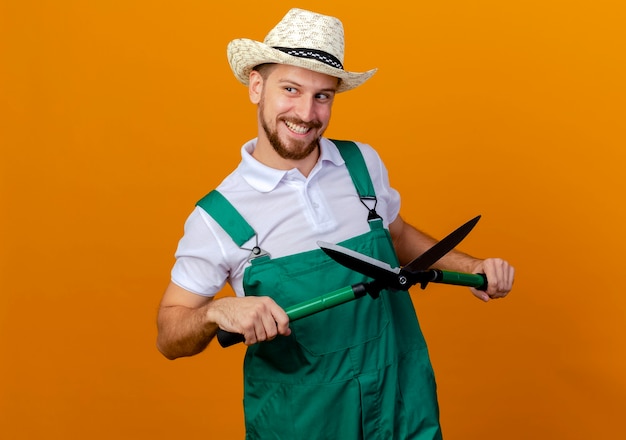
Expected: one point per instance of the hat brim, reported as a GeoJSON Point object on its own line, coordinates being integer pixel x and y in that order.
{"type": "Point", "coordinates": [245, 54]}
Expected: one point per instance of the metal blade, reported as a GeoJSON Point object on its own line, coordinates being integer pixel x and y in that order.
{"type": "Point", "coordinates": [432, 255]}
{"type": "Point", "coordinates": [361, 263]}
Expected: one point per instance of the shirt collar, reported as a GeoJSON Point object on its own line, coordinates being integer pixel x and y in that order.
{"type": "Point", "coordinates": [265, 179]}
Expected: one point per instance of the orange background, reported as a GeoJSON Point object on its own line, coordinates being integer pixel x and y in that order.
{"type": "Point", "coordinates": [116, 116]}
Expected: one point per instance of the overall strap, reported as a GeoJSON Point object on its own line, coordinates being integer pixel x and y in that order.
{"type": "Point", "coordinates": [225, 214]}
{"type": "Point", "coordinates": [360, 175]}
{"type": "Point", "coordinates": [356, 166]}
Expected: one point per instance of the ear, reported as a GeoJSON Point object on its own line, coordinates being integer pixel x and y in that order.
{"type": "Point", "coordinates": [255, 87]}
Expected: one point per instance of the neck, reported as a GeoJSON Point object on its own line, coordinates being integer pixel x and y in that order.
{"type": "Point", "coordinates": [265, 153]}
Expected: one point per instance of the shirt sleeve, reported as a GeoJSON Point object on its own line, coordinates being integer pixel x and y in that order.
{"type": "Point", "coordinates": [200, 266]}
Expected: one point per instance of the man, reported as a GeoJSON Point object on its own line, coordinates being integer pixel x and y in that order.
{"type": "Point", "coordinates": [358, 370]}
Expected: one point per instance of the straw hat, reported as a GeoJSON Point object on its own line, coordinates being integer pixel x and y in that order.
{"type": "Point", "coordinates": [303, 39]}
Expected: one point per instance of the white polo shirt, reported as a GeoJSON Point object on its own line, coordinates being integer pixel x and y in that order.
{"type": "Point", "coordinates": [290, 213]}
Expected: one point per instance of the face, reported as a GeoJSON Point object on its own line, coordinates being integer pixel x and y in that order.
{"type": "Point", "coordinates": [294, 108]}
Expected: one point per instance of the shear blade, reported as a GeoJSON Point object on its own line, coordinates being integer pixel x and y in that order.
{"type": "Point", "coordinates": [445, 245]}
{"type": "Point", "coordinates": [361, 263]}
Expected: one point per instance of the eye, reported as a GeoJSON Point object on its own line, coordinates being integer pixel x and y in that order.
{"type": "Point", "coordinates": [324, 96]}
{"type": "Point", "coordinates": [290, 89]}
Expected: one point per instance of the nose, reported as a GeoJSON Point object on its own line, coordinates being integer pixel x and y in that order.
{"type": "Point", "coordinates": [306, 108]}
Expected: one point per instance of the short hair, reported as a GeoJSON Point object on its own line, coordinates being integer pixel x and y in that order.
{"type": "Point", "coordinates": [264, 69]}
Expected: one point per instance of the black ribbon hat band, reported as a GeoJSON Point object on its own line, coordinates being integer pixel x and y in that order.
{"type": "Point", "coordinates": [313, 54]}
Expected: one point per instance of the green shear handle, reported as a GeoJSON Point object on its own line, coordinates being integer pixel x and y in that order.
{"type": "Point", "coordinates": [345, 294]}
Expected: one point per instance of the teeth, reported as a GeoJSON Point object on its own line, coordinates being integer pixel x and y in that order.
{"type": "Point", "coordinates": [296, 128]}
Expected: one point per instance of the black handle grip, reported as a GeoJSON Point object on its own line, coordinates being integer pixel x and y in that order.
{"type": "Point", "coordinates": [226, 339]}
{"type": "Point", "coordinates": [485, 284]}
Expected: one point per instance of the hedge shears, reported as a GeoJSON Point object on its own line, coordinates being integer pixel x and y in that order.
{"type": "Point", "coordinates": [382, 276]}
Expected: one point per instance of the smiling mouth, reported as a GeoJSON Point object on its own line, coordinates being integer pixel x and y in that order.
{"type": "Point", "coordinates": [296, 128]}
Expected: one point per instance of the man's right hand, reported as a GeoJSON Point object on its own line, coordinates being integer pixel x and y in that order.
{"type": "Point", "coordinates": [257, 318]}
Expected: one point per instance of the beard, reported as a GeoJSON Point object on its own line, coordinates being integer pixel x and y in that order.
{"type": "Point", "coordinates": [297, 150]}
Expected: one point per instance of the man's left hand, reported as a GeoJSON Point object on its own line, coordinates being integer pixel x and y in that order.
{"type": "Point", "coordinates": [500, 276]}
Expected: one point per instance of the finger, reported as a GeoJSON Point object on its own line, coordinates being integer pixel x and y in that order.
{"type": "Point", "coordinates": [482, 295]}
{"type": "Point", "coordinates": [506, 279]}
{"type": "Point", "coordinates": [494, 277]}
{"type": "Point", "coordinates": [282, 326]}
{"type": "Point", "coordinates": [250, 337]}
{"type": "Point", "coordinates": [268, 328]}
{"type": "Point", "coordinates": [501, 279]}
{"type": "Point", "coordinates": [511, 276]}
